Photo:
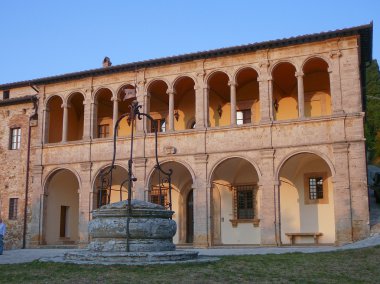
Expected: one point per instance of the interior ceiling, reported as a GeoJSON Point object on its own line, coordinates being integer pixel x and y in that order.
{"type": "Point", "coordinates": [245, 76]}
{"type": "Point", "coordinates": [284, 77]}
{"type": "Point", "coordinates": [218, 83]}
{"type": "Point", "coordinates": [315, 65]}
{"type": "Point", "coordinates": [234, 169]}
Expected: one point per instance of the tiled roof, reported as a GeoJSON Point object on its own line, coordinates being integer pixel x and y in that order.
{"type": "Point", "coordinates": [364, 32]}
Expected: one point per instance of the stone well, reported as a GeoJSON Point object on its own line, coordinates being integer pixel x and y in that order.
{"type": "Point", "coordinates": [143, 234]}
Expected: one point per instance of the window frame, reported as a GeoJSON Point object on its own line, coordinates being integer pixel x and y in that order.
{"type": "Point", "coordinates": [13, 208]}
{"type": "Point", "coordinates": [15, 138]}
{"type": "Point", "coordinates": [246, 116]}
{"type": "Point", "coordinates": [235, 204]}
{"type": "Point", "coordinates": [324, 197]}
{"type": "Point", "coordinates": [104, 134]}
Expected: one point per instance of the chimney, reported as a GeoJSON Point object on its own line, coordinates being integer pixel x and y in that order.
{"type": "Point", "coordinates": [106, 62]}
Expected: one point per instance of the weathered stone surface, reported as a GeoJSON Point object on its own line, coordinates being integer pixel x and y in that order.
{"type": "Point", "coordinates": [143, 227]}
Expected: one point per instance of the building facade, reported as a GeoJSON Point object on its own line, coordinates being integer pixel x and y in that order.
{"type": "Point", "coordinates": [264, 140]}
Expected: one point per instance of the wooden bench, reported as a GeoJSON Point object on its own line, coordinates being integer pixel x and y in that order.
{"type": "Point", "coordinates": [293, 235]}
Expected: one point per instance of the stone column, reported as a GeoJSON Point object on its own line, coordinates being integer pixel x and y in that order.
{"type": "Point", "coordinates": [115, 114]}
{"type": "Point", "coordinates": [46, 125]}
{"type": "Point", "coordinates": [335, 83]}
{"type": "Point", "coordinates": [272, 112]}
{"type": "Point", "coordinates": [301, 96]}
{"type": "Point", "coordinates": [268, 199]}
{"type": "Point", "coordinates": [146, 109]}
{"type": "Point", "coordinates": [65, 107]}
{"type": "Point", "coordinates": [87, 120]}
{"type": "Point", "coordinates": [342, 195]}
{"type": "Point", "coordinates": [232, 85]}
{"type": "Point", "coordinates": [201, 199]}
{"type": "Point", "coordinates": [206, 100]}
{"type": "Point", "coordinates": [86, 199]}
{"type": "Point", "coordinates": [140, 99]}
{"type": "Point", "coordinates": [199, 108]}
{"type": "Point", "coordinates": [171, 110]}
{"type": "Point", "coordinates": [94, 119]}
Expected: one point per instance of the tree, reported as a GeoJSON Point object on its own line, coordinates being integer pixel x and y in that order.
{"type": "Point", "coordinates": [372, 124]}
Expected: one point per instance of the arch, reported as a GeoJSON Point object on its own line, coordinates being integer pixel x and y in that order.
{"type": "Point", "coordinates": [182, 184]}
{"type": "Point", "coordinates": [75, 123]}
{"type": "Point", "coordinates": [183, 163]}
{"type": "Point", "coordinates": [53, 119]}
{"type": "Point", "coordinates": [179, 78]}
{"type": "Point", "coordinates": [97, 172]}
{"type": "Point", "coordinates": [294, 153]}
{"type": "Point", "coordinates": [319, 56]}
{"type": "Point", "coordinates": [234, 188]}
{"type": "Point", "coordinates": [220, 161]}
{"type": "Point", "coordinates": [277, 63]}
{"type": "Point", "coordinates": [61, 207]}
{"type": "Point", "coordinates": [103, 113]}
{"type": "Point", "coordinates": [306, 197]}
{"type": "Point", "coordinates": [243, 67]}
{"type": "Point", "coordinates": [213, 72]}
{"type": "Point", "coordinates": [158, 104]}
{"type": "Point", "coordinates": [96, 92]}
{"type": "Point", "coordinates": [119, 176]}
{"type": "Point", "coordinates": [184, 102]}
{"type": "Point", "coordinates": [73, 93]}
{"type": "Point", "coordinates": [154, 81]}
{"type": "Point", "coordinates": [51, 97]}
{"type": "Point", "coordinates": [55, 170]}
{"type": "Point", "coordinates": [316, 85]}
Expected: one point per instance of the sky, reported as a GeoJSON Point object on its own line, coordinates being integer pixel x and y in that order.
{"type": "Point", "coordinates": [47, 38]}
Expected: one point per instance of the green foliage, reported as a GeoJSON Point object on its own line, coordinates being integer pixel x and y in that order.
{"type": "Point", "coordinates": [372, 125]}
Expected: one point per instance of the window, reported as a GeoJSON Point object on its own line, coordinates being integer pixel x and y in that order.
{"type": "Point", "coordinates": [15, 138]}
{"type": "Point", "coordinates": [5, 94]}
{"type": "Point", "coordinates": [158, 195]}
{"type": "Point", "coordinates": [103, 130]}
{"type": "Point", "coordinates": [13, 206]}
{"type": "Point", "coordinates": [244, 204]}
{"type": "Point", "coordinates": [315, 188]}
{"type": "Point", "coordinates": [243, 116]}
{"type": "Point", "coordinates": [161, 125]}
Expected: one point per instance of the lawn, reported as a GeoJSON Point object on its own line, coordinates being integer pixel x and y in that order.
{"type": "Point", "coordinates": [350, 266]}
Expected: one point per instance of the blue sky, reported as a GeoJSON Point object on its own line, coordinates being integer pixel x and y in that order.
{"type": "Point", "coordinates": [46, 38]}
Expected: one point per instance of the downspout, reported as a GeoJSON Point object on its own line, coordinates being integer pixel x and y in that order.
{"type": "Point", "coordinates": [34, 101]}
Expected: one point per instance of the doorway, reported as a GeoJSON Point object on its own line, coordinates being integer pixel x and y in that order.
{"type": "Point", "coordinates": [189, 218]}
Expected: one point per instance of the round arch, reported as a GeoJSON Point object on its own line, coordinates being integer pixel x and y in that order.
{"type": "Point", "coordinates": [220, 161]}
{"type": "Point", "coordinates": [209, 76]}
{"type": "Point", "coordinates": [276, 64]}
{"type": "Point", "coordinates": [55, 170]}
{"type": "Point", "coordinates": [153, 81]}
{"type": "Point", "coordinates": [321, 57]}
{"type": "Point", "coordinates": [102, 167]}
{"type": "Point", "coordinates": [242, 68]}
{"type": "Point", "coordinates": [96, 92]}
{"type": "Point", "coordinates": [72, 94]}
{"type": "Point", "coordinates": [49, 98]}
{"type": "Point", "coordinates": [179, 78]}
{"type": "Point", "coordinates": [294, 153]}
{"type": "Point", "coordinates": [183, 163]}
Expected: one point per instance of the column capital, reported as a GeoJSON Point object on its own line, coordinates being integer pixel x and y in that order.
{"type": "Point", "coordinates": [232, 83]}
{"type": "Point", "coordinates": [264, 79]}
{"type": "Point", "coordinates": [115, 99]}
{"type": "Point", "coordinates": [65, 105]}
{"type": "Point", "coordinates": [139, 162]}
{"type": "Point", "coordinates": [299, 74]}
{"type": "Point", "coordinates": [170, 92]}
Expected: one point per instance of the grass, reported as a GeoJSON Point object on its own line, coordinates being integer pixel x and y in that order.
{"type": "Point", "coordinates": [350, 266]}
